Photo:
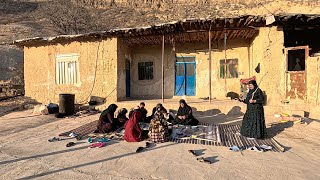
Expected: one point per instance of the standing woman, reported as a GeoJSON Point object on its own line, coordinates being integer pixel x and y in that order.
{"type": "Point", "coordinates": [253, 124]}
{"type": "Point", "coordinates": [107, 122]}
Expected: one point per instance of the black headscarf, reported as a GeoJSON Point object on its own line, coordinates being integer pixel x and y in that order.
{"type": "Point", "coordinates": [183, 110]}
{"type": "Point", "coordinates": [122, 113]}
{"type": "Point", "coordinates": [159, 105]}
{"type": "Point", "coordinates": [111, 109]}
{"type": "Point", "coordinates": [254, 83]}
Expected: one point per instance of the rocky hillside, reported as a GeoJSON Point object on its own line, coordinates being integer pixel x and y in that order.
{"type": "Point", "coordinates": [29, 18]}
{"type": "Point", "coordinates": [26, 18]}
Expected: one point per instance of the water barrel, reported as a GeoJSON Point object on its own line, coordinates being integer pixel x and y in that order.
{"type": "Point", "coordinates": [66, 104]}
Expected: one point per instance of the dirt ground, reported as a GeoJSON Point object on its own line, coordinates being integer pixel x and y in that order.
{"type": "Point", "coordinates": [25, 153]}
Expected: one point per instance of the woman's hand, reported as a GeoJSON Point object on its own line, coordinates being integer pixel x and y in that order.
{"type": "Point", "coordinates": [252, 101]}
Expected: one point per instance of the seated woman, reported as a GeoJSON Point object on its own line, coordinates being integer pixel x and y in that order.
{"type": "Point", "coordinates": [158, 111]}
{"type": "Point", "coordinates": [133, 132]}
{"type": "Point", "coordinates": [184, 115]}
{"type": "Point", "coordinates": [167, 117]}
{"type": "Point", "coordinates": [144, 112]}
{"type": "Point", "coordinates": [107, 123]}
{"type": "Point", "coordinates": [122, 116]}
{"type": "Point", "coordinates": [158, 130]}
{"type": "Point", "coordinates": [133, 110]}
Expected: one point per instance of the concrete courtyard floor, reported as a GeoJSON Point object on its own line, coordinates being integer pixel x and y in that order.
{"type": "Point", "coordinates": [25, 153]}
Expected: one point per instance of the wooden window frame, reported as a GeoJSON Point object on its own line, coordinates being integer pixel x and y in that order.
{"type": "Point", "coordinates": [306, 48]}
{"type": "Point", "coordinates": [227, 68]}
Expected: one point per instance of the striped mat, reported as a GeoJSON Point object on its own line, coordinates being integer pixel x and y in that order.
{"type": "Point", "coordinates": [229, 138]}
{"type": "Point", "coordinates": [226, 136]}
{"type": "Point", "coordinates": [83, 130]}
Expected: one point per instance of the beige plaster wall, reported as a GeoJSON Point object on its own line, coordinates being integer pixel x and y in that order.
{"type": "Point", "coordinates": [267, 49]}
{"type": "Point", "coordinates": [235, 49]}
{"type": "Point", "coordinates": [40, 70]}
{"type": "Point", "coordinates": [152, 88]}
{"type": "Point", "coordinates": [313, 76]}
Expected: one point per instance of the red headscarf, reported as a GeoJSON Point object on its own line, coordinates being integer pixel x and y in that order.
{"type": "Point", "coordinates": [133, 131]}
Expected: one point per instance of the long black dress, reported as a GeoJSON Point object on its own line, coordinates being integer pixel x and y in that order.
{"type": "Point", "coordinates": [107, 122]}
{"type": "Point", "coordinates": [185, 111]}
{"type": "Point", "coordinates": [253, 124]}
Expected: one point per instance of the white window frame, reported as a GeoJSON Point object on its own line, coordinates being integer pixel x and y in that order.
{"type": "Point", "coordinates": [63, 73]}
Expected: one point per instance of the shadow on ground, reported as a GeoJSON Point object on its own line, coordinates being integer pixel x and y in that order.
{"type": "Point", "coordinates": [277, 128]}
{"type": "Point", "coordinates": [17, 124]}
{"type": "Point", "coordinates": [215, 116]}
{"type": "Point", "coordinates": [52, 153]}
{"type": "Point", "coordinates": [91, 163]}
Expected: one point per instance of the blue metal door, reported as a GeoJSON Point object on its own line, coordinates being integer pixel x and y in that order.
{"type": "Point", "coordinates": [190, 79]}
{"type": "Point", "coordinates": [127, 78]}
{"type": "Point", "coordinates": [180, 79]}
{"type": "Point", "coordinates": [185, 79]}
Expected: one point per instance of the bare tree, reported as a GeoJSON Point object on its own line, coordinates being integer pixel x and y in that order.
{"type": "Point", "coordinates": [69, 17]}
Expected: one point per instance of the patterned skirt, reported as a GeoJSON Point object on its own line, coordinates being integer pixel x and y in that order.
{"type": "Point", "coordinates": [158, 137]}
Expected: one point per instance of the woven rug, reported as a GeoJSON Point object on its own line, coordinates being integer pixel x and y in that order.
{"type": "Point", "coordinates": [89, 128]}
{"type": "Point", "coordinates": [223, 135]}
{"type": "Point", "coordinates": [201, 134]}
{"type": "Point", "coordinates": [229, 138]}
{"type": "Point", "coordinates": [83, 130]}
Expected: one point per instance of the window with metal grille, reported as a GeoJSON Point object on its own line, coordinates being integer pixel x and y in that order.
{"type": "Point", "coordinates": [67, 69]}
{"type": "Point", "coordinates": [231, 67]}
{"type": "Point", "coordinates": [145, 70]}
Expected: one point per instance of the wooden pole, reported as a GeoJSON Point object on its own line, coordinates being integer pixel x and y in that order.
{"type": "Point", "coordinates": [225, 62]}
{"type": "Point", "coordinates": [209, 66]}
{"type": "Point", "coordinates": [162, 69]}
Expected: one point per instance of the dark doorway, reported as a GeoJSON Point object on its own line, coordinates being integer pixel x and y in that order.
{"type": "Point", "coordinates": [296, 72]}
{"type": "Point", "coordinates": [127, 78]}
{"type": "Point", "coordinates": [303, 37]}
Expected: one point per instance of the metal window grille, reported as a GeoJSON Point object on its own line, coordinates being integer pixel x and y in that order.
{"type": "Point", "coordinates": [145, 70]}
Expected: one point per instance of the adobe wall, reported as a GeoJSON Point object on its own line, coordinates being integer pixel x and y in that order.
{"type": "Point", "coordinates": [152, 88]}
{"type": "Point", "coordinates": [313, 75]}
{"type": "Point", "coordinates": [40, 71]}
{"type": "Point", "coordinates": [267, 49]}
{"type": "Point", "coordinates": [313, 80]}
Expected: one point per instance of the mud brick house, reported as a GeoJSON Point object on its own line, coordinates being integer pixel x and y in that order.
{"type": "Point", "coordinates": [193, 57]}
